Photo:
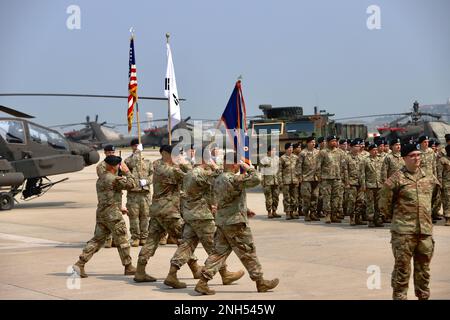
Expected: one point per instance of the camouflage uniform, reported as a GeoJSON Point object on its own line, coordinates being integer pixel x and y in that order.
{"type": "Point", "coordinates": [391, 164]}
{"type": "Point", "coordinates": [271, 181]}
{"type": "Point", "coordinates": [233, 232]}
{"type": "Point", "coordinates": [406, 198]}
{"type": "Point", "coordinates": [289, 180]}
{"type": "Point", "coordinates": [138, 199]}
{"type": "Point", "coordinates": [329, 170]}
{"type": "Point", "coordinates": [101, 170]}
{"type": "Point", "coordinates": [309, 184]}
{"type": "Point", "coordinates": [341, 189]}
{"type": "Point", "coordinates": [165, 208]}
{"type": "Point", "coordinates": [370, 180]}
{"type": "Point", "coordinates": [355, 196]}
{"type": "Point", "coordinates": [443, 175]}
{"type": "Point", "coordinates": [109, 218]}
{"type": "Point", "coordinates": [428, 165]}
{"type": "Point", "coordinates": [199, 221]}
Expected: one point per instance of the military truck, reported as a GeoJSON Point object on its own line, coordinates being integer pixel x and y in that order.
{"type": "Point", "coordinates": [289, 124]}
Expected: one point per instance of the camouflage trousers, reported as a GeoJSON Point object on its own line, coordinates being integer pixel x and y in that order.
{"type": "Point", "coordinates": [272, 195]}
{"type": "Point", "coordinates": [195, 231]}
{"type": "Point", "coordinates": [290, 197]}
{"type": "Point", "coordinates": [158, 226]}
{"type": "Point", "coordinates": [299, 199]}
{"type": "Point", "coordinates": [436, 201]}
{"type": "Point", "coordinates": [138, 204]}
{"type": "Point", "coordinates": [355, 202]}
{"type": "Point", "coordinates": [340, 194]}
{"type": "Point", "coordinates": [105, 227]}
{"type": "Point", "coordinates": [237, 238]}
{"type": "Point", "coordinates": [445, 195]}
{"type": "Point", "coordinates": [309, 193]}
{"type": "Point", "coordinates": [372, 198]}
{"type": "Point", "coordinates": [420, 248]}
{"type": "Point", "coordinates": [329, 190]}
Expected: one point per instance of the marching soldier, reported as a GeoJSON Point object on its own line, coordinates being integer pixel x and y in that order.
{"type": "Point", "coordinates": [271, 181]}
{"type": "Point", "coordinates": [164, 211]}
{"type": "Point", "coordinates": [138, 199]}
{"type": "Point", "coordinates": [109, 218]}
{"type": "Point", "coordinates": [355, 196]}
{"type": "Point", "coordinates": [329, 170]}
{"type": "Point", "coordinates": [109, 150]}
{"type": "Point", "coordinates": [199, 222]}
{"type": "Point", "coordinates": [297, 150]}
{"type": "Point", "coordinates": [341, 191]}
{"type": "Point", "coordinates": [309, 185]}
{"type": "Point", "coordinates": [406, 198]}
{"type": "Point", "coordinates": [289, 180]}
{"type": "Point", "coordinates": [443, 175]}
{"type": "Point", "coordinates": [371, 184]}
{"type": "Point", "coordinates": [233, 232]}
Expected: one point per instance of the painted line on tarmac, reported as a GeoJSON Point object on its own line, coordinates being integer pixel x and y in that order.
{"type": "Point", "coordinates": [27, 242]}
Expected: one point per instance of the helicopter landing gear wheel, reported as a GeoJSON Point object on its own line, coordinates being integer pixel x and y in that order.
{"type": "Point", "coordinates": [6, 201]}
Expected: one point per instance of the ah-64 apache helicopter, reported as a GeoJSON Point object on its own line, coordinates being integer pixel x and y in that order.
{"type": "Point", "coordinates": [29, 153]}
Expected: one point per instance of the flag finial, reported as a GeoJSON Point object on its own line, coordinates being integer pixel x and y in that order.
{"type": "Point", "coordinates": [167, 36]}
{"type": "Point", "coordinates": [132, 31]}
{"type": "Point", "coordinates": [240, 77]}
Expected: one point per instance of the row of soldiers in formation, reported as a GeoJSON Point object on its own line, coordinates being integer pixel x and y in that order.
{"type": "Point", "coordinates": [203, 203]}
{"type": "Point", "coordinates": [343, 177]}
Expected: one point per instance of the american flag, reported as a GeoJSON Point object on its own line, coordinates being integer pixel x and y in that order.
{"type": "Point", "coordinates": [132, 86]}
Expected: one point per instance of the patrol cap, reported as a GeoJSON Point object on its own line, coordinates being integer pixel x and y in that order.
{"type": "Point", "coordinates": [407, 149]}
{"type": "Point", "coordinates": [447, 137]}
{"type": "Point", "coordinates": [320, 140]}
{"type": "Point", "coordinates": [372, 146]}
{"type": "Point", "coordinates": [431, 143]}
{"type": "Point", "coordinates": [288, 145]}
{"type": "Point", "coordinates": [422, 139]}
{"type": "Point", "coordinates": [332, 137]}
{"type": "Point", "coordinates": [166, 148]}
{"type": "Point", "coordinates": [342, 141]}
{"type": "Point", "coordinates": [394, 141]}
{"type": "Point", "coordinates": [109, 147]}
{"type": "Point", "coordinates": [349, 141]}
{"type": "Point", "coordinates": [134, 141]}
{"type": "Point", "coordinates": [309, 139]}
{"type": "Point", "coordinates": [113, 160]}
{"type": "Point", "coordinates": [296, 145]}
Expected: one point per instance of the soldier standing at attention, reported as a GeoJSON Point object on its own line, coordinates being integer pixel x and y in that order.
{"type": "Point", "coordinates": [109, 150]}
{"type": "Point", "coordinates": [329, 170]}
{"type": "Point", "coordinates": [321, 145]}
{"type": "Point", "coordinates": [443, 175]}
{"type": "Point", "coordinates": [355, 196]}
{"type": "Point", "coordinates": [393, 161]}
{"type": "Point", "coordinates": [297, 150]}
{"type": "Point", "coordinates": [233, 232]}
{"type": "Point", "coordinates": [308, 180]}
{"type": "Point", "coordinates": [138, 199]}
{"type": "Point", "coordinates": [109, 218]}
{"type": "Point", "coordinates": [428, 165]}
{"type": "Point", "coordinates": [289, 180]}
{"type": "Point", "coordinates": [199, 221]}
{"type": "Point", "coordinates": [342, 148]}
{"type": "Point", "coordinates": [164, 212]}
{"type": "Point", "coordinates": [371, 184]}
{"type": "Point", "coordinates": [406, 197]}
{"type": "Point", "coordinates": [270, 181]}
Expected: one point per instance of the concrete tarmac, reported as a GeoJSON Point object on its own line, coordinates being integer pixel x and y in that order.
{"type": "Point", "coordinates": [42, 238]}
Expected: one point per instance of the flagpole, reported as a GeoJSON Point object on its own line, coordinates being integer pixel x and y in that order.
{"type": "Point", "coordinates": [169, 125]}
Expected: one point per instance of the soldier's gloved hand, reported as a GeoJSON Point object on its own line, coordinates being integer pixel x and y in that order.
{"type": "Point", "coordinates": [140, 147]}
{"type": "Point", "coordinates": [124, 210]}
{"type": "Point", "coordinates": [142, 182]}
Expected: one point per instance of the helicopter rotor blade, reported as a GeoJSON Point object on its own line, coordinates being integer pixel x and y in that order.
{"type": "Point", "coordinates": [79, 95]}
{"type": "Point", "coordinates": [15, 113]}
{"type": "Point", "coordinates": [375, 115]}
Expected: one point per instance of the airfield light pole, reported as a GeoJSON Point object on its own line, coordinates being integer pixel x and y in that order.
{"type": "Point", "coordinates": [169, 124]}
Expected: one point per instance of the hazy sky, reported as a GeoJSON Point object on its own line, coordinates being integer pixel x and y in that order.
{"type": "Point", "coordinates": [289, 53]}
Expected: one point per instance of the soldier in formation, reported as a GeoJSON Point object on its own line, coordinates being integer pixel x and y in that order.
{"type": "Point", "coordinates": [271, 180]}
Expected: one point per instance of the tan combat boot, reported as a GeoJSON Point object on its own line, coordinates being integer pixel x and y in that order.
{"type": "Point", "coordinates": [313, 217]}
{"type": "Point", "coordinates": [141, 276]}
{"type": "Point", "coordinates": [266, 285]}
{"type": "Point", "coordinates": [447, 222]}
{"type": "Point", "coordinates": [108, 243]}
{"type": "Point", "coordinates": [295, 215]}
{"type": "Point", "coordinates": [230, 277]}
{"type": "Point", "coordinates": [289, 215]}
{"type": "Point", "coordinates": [142, 242]}
{"type": "Point", "coordinates": [163, 240]}
{"type": "Point", "coordinates": [328, 218]}
{"type": "Point", "coordinates": [130, 270]}
{"type": "Point", "coordinates": [352, 220]}
{"type": "Point", "coordinates": [335, 219]}
{"type": "Point", "coordinates": [134, 242]}
{"type": "Point", "coordinates": [270, 215]}
{"type": "Point", "coordinates": [172, 280]}
{"type": "Point", "coordinates": [202, 287]}
{"type": "Point", "coordinates": [275, 215]}
{"type": "Point", "coordinates": [195, 268]}
{"type": "Point", "coordinates": [79, 269]}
